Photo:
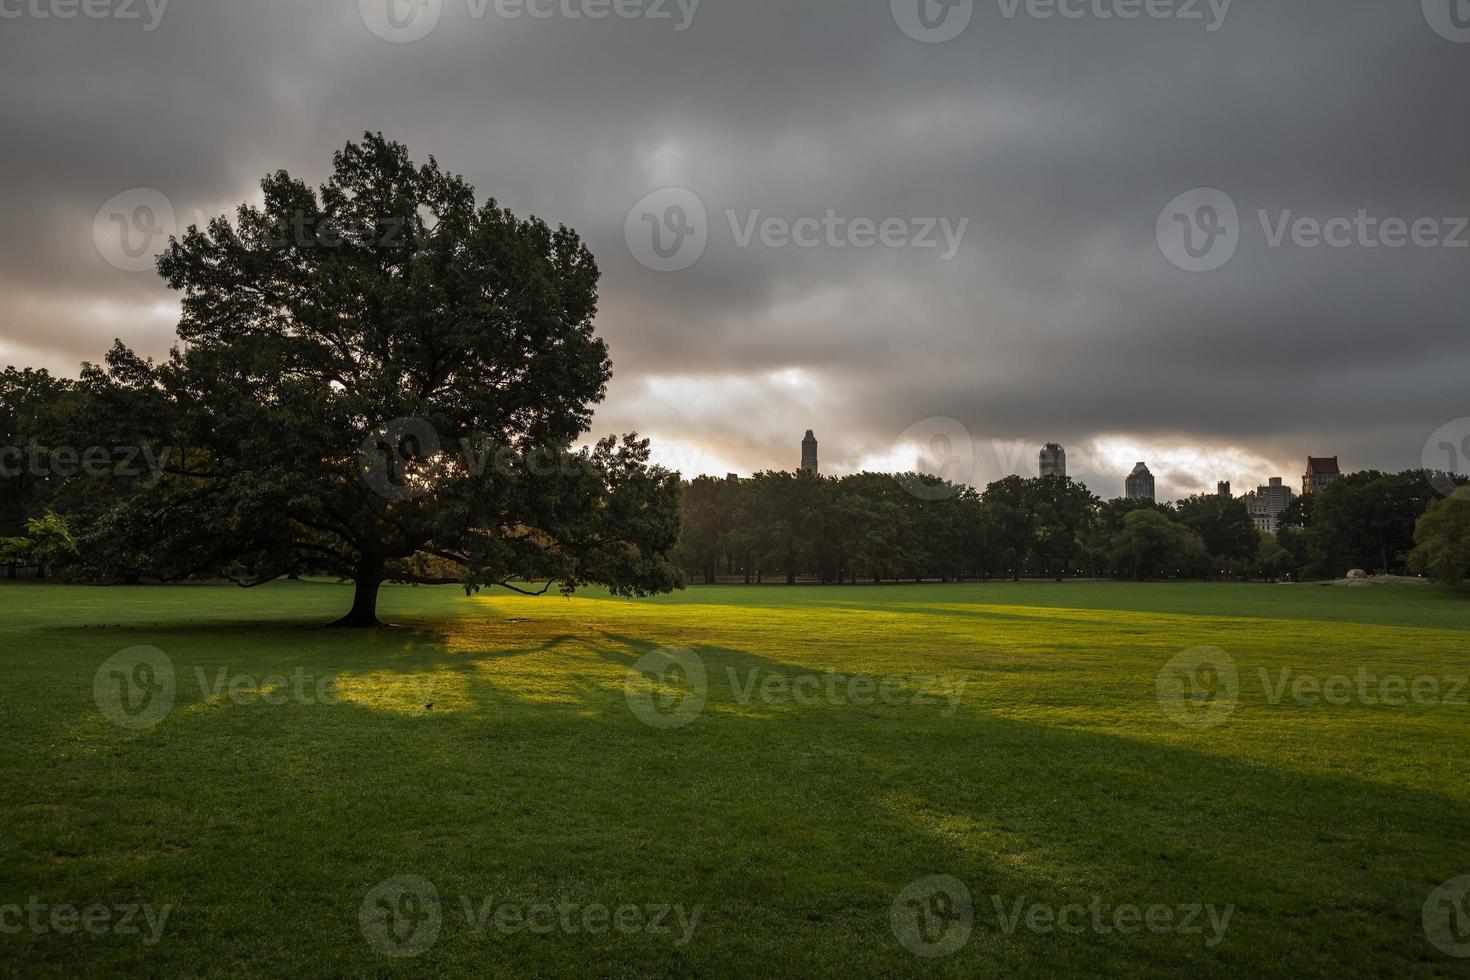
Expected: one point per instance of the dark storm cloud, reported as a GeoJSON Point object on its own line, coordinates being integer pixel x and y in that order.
{"type": "Point", "coordinates": [1059, 141]}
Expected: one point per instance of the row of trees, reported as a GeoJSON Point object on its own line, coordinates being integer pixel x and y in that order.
{"type": "Point", "coordinates": [775, 526]}
{"type": "Point", "coordinates": [874, 527]}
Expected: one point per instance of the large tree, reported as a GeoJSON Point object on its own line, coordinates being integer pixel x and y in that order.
{"type": "Point", "coordinates": [1151, 544]}
{"type": "Point", "coordinates": [1224, 524]}
{"type": "Point", "coordinates": [382, 380]}
{"type": "Point", "coordinates": [29, 404]}
{"type": "Point", "coordinates": [1065, 511]}
{"type": "Point", "coordinates": [1442, 539]}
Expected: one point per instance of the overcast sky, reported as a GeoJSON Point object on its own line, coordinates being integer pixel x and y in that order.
{"type": "Point", "coordinates": [995, 200]}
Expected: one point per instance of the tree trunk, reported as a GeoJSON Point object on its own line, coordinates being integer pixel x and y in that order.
{"type": "Point", "coordinates": [364, 614]}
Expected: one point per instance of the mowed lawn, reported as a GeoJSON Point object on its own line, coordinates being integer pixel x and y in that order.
{"type": "Point", "coordinates": [496, 748]}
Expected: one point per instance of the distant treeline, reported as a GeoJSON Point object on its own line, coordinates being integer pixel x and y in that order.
{"type": "Point", "coordinates": [62, 480]}
{"type": "Point", "coordinates": [875, 527]}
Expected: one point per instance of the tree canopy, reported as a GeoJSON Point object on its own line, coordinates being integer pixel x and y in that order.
{"type": "Point", "coordinates": [382, 380]}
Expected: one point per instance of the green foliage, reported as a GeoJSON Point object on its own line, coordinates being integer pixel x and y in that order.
{"type": "Point", "coordinates": [356, 364]}
{"type": "Point", "coordinates": [1223, 523]}
{"type": "Point", "coordinates": [1365, 520]}
{"type": "Point", "coordinates": [31, 405]}
{"type": "Point", "coordinates": [47, 541]}
{"type": "Point", "coordinates": [877, 527]}
{"type": "Point", "coordinates": [1442, 540]}
{"type": "Point", "coordinates": [1271, 560]}
{"type": "Point", "coordinates": [1154, 546]}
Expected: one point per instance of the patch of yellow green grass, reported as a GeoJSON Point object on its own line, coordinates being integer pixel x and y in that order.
{"type": "Point", "coordinates": [804, 780]}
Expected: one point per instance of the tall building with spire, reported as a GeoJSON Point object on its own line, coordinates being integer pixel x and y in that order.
{"type": "Point", "coordinates": [1053, 460]}
{"type": "Point", "coordinates": [809, 453]}
{"type": "Point", "coordinates": [1140, 484]}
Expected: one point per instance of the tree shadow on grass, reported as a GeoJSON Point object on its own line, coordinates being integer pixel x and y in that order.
{"type": "Point", "coordinates": [795, 826]}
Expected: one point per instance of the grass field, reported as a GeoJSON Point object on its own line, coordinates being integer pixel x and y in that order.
{"type": "Point", "coordinates": [862, 760]}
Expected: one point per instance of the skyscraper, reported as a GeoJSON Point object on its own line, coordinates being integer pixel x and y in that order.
{"type": "Point", "coordinates": [1140, 484]}
{"type": "Point", "coordinates": [1053, 460]}
{"type": "Point", "coordinates": [1266, 504]}
{"type": "Point", "coordinates": [809, 453]}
